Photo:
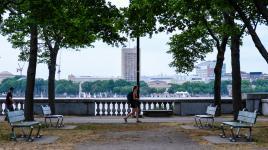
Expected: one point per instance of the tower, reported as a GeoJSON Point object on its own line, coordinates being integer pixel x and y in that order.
{"type": "Point", "coordinates": [129, 64]}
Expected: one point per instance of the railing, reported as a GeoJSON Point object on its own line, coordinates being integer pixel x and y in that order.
{"type": "Point", "coordinates": [119, 106]}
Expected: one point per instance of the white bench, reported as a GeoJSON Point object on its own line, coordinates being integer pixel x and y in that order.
{"type": "Point", "coordinates": [210, 115]}
{"type": "Point", "coordinates": [47, 115]}
{"type": "Point", "coordinates": [245, 119]}
{"type": "Point", "coordinates": [16, 119]}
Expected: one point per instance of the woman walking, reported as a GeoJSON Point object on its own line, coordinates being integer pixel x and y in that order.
{"type": "Point", "coordinates": [133, 99]}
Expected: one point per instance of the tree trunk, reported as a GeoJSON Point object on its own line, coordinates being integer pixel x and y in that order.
{"type": "Point", "coordinates": [51, 79]}
{"type": "Point", "coordinates": [31, 71]}
{"type": "Point", "coordinates": [236, 75]}
{"type": "Point", "coordinates": [218, 72]}
{"type": "Point", "coordinates": [261, 7]}
{"type": "Point", "coordinates": [254, 36]}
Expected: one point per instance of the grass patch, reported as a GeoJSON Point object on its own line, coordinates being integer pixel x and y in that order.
{"type": "Point", "coordinates": [70, 137]}
{"type": "Point", "coordinates": [259, 132]}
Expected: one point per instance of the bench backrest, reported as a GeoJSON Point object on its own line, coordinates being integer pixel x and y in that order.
{"type": "Point", "coordinates": [15, 116]}
{"type": "Point", "coordinates": [247, 117]}
{"type": "Point", "coordinates": [46, 110]}
{"type": "Point", "coordinates": [211, 110]}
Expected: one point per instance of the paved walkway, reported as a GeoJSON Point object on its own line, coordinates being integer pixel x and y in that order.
{"type": "Point", "coordinates": [119, 119]}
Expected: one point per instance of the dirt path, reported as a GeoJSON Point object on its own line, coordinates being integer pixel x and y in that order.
{"type": "Point", "coordinates": [166, 138]}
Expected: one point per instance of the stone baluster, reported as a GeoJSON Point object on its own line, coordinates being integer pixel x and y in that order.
{"type": "Point", "coordinates": [98, 109]}
{"type": "Point", "coordinates": [155, 104]}
{"type": "Point", "coordinates": [124, 108]}
{"type": "Point", "coordinates": [142, 106]}
{"type": "Point", "coordinates": [113, 109]}
{"type": "Point", "coordinates": [149, 105]}
{"type": "Point", "coordinates": [103, 109]}
{"type": "Point", "coordinates": [165, 105]}
{"type": "Point", "coordinates": [118, 110]}
{"type": "Point", "coordinates": [128, 108]}
{"type": "Point", "coordinates": [109, 113]}
{"type": "Point", "coordinates": [19, 105]}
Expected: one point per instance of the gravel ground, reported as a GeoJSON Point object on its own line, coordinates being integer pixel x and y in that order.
{"type": "Point", "coordinates": [167, 138]}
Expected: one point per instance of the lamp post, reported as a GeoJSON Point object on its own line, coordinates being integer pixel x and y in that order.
{"type": "Point", "coordinates": [138, 65]}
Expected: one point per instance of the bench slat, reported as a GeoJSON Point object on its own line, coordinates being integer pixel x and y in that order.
{"type": "Point", "coordinates": [238, 124]}
{"type": "Point", "coordinates": [15, 116]}
{"type": "Point", "coordinates": [211, 110]}
{"type": "Point", "coordinates": [46, 110]}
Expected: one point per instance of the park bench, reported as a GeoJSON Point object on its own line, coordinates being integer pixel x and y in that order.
{"type": "Point", "coordinates": [16, 119]}
{"type": "Point", "coordinates": [245, 119]}
{"type": "Point", "coordinates": [210, 115]}
{"type": "Point", "coordinates": [47, 115]}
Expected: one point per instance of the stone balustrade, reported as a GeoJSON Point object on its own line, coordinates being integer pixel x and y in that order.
{"type": "Point", "coordinates": [119, 106]}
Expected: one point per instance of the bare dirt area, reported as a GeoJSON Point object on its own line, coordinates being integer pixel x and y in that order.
{"type": "Point", "coordinates": [160, 137]}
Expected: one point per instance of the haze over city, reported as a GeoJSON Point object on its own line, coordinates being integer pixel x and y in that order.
{"type": "Point", "coordinates": [105, 60]}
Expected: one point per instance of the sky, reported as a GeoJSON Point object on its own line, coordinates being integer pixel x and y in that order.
{"type": "Point", "coordinates": [105, 61]}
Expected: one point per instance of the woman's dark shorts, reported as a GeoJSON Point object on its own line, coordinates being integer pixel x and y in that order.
{"type": "Point", "coordinates": [135, 104]}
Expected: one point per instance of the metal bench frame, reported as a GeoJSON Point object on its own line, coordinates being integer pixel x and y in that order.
{"type": "Point", "coordinates": [16, 120]}
{"type": "Point", "coordinates": [210, 115]}
{"type": "Point", "coordinates": [47, 115]}
{"type": "Point", "coordinates": [245, 119]}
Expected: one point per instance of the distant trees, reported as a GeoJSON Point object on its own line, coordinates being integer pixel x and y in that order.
{"type": "Point", "coordinates": [122, 87]}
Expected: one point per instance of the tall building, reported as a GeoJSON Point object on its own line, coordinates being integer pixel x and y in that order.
{"type": "Point", "coordinates": [205, 70]}
{"type": "Point", "coordinates": [129, 64]}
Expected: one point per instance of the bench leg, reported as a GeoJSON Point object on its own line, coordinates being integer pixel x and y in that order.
{"type": "Point", "coordinates": [233, 138]}
{"type": "Point", "coordinates": [196, 124]}
{"type": "Point", "coordinates": [61, 123]}
{"type": "Point", "coordinates": [46, 122]}
{"type": "Point", "coordinates": [13, 134]}
{"type": "Point", "coordinates": [57, 124]}
{"type": "Point", "coordinates": [201, 125]}
{"type": "Point", "coordinates": [38, 132]}
{"type": "Point", "coordinates": [223, 135]}
{"type": "Point", "coordinates": [212, 122]}
{"type": "Point", "coordinates": [30, 139]}
{"type": "Point", "coordinates": [249, 138]}
{"type": "Point", "coordinates": [238, 133]}
{"type": "Point", "coordinates": [50, 122]}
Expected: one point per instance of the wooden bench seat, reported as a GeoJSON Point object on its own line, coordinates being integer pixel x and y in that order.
{"type": "Point", "coordinates": [245, 119]}
{"type": "Point", "coordinates": [210, 114]}
{"type": "Point", "coordinates": [16, 119]}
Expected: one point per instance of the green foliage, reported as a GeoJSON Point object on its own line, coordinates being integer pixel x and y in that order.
{"type": "Point", "coordinates": [189, 47]}
{"type": "Point", "coordinates": [67, 87]}
{"type": "Point", "coordinates": [122, 87]}
{"type": "Point", "coordinates": [64, 24]}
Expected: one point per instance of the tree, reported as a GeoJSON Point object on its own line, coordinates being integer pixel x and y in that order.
{"type": "Point", "coordinates": [65, 24]}
{"type": "Point", "coordinates": [92, 21]}
{"type": "Point", "coordinates": [247, 20]}
{"type": "Point", "coordinates": [201, 26]}
{"type": "Point", "coordinates": [261, 6]}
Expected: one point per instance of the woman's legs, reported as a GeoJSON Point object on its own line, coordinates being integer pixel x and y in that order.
{"type": "Point", "coordinates": [137, 110]}
{"type": "Point", "coordinates": [129, 114]}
